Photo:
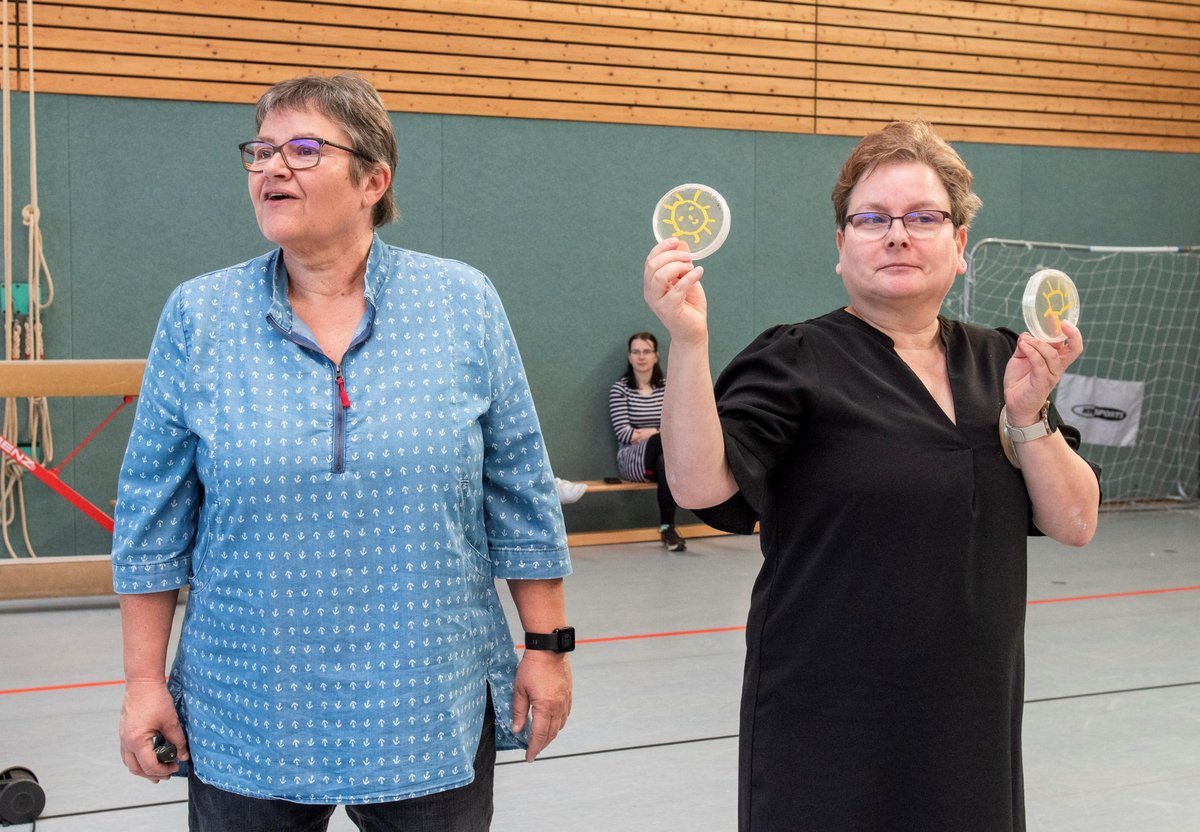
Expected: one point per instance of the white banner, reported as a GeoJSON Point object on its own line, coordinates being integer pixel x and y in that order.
{"type": "Point", "coordinates": [1106, 411]}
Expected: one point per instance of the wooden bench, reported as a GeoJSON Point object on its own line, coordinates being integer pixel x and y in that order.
{"type": "Point", "coordinates": [79, 575]}
{"type": "Point", "coordinates": [604, 486]}
{"type": "Point", "coordinates": [60, 576]}
{"type": "Point", "coordinates": [638, 535]}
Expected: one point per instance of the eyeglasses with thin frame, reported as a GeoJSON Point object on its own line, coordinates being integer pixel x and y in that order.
{"type": "Point", "coordinates": [643, 353]}
{"type": "Point", "coordinates": [873, 225]}
{"type": "Point", "coordinates": [298, 154]}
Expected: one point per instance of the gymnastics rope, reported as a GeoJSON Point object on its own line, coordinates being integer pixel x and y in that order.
{"type": "Point", "coordinates": [23, 339]}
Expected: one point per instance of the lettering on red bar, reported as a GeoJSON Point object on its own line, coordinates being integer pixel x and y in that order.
{"type": "Point", "coordinates": [16, 453]}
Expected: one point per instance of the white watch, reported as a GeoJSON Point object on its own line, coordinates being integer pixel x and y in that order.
{"type": "Point", "coordinates": [1029, 433]}
{"type": "Point", "coordinates": [1011, 436]}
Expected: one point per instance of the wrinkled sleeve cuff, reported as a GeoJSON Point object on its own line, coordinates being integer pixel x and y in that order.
{"type": "Point", "coordinates": [138, 577]}
{"type": "Point", "coordinates": [530, 564]}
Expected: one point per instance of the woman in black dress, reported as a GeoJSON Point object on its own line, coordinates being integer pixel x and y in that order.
{"type": "Point", "coordinates": [884, 672]}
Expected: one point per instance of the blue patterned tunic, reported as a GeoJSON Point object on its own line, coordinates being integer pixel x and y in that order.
{"type": "Point", "coordinates": [343, 625]}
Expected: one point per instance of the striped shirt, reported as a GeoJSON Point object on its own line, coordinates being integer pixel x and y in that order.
{"type": "Point", "coordinates": [630, 410]}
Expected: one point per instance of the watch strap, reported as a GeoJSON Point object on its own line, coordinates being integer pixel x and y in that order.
{"type": "Point", "coordinates": [1011, 436]}
{"type": "Point", "coordinates": [561, 640]}
{"type": "Point", "coordinates": [1029, 433]}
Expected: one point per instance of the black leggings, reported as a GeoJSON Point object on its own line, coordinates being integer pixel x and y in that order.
{"type": "Point", "coordinates": [656, 472]}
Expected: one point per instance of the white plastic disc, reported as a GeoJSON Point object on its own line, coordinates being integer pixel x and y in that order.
{"type": "Point", "coordinates": [695, 213]}
{"type": "Point", "coordinates": [1050, 298]}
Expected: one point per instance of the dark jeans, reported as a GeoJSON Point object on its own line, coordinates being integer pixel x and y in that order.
{"type": "Point", "coordinates": [465, 809]}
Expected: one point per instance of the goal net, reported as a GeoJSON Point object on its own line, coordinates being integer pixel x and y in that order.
{"type": "Point", "coordinates": [1135, 392]}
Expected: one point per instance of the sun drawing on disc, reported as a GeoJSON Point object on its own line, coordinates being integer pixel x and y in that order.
{"type": "Point", "coordinates": [1057, 304]}
{"type": "Point", "coordinates": [688, 217]}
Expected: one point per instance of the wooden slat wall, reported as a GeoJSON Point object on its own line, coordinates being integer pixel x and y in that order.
{"type": "Point", "coordinates": [1080, 73]}
{"type": "Point", "coordinates": [1083, 73]}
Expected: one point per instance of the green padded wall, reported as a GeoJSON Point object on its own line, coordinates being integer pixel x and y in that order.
{"type": "Point", "coordinates": [137, 196]}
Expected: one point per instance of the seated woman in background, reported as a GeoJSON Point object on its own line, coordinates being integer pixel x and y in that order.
{"type": "Point", "coordinates": [635, 405]}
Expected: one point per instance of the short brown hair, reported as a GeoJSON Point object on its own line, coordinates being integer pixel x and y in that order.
{"type": "Point", "coordinates": [353, 104]}
{"type": "Point", "coordinates": [908, 141]}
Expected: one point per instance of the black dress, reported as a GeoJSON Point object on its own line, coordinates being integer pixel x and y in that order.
{"type": "Point", "coordinates": [885, 658]}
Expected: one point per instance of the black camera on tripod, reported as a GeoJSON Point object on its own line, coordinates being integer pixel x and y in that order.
{"type": "Point", "coordinates": [21, 798]}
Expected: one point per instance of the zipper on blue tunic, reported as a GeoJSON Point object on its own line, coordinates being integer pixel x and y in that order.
{"type": "Point", "coordinates": [339, 419]}
{"type": "Point", "coordinates": [341, 399]}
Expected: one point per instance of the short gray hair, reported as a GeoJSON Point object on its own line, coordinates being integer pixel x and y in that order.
{"type": "Point", "coordinates": [353, 104]}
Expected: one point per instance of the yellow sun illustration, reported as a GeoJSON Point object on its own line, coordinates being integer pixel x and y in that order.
{"type": "Point", "coordinates": [688, 217]}
{"type": "Point", "coordinates": [1057, 304]}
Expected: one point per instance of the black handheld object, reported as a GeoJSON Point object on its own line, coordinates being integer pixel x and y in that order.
{"type": "Point", "coordinates": [164, 750]}
{"type": "Point", "coordinates": [166, 753]}
{"type": "Point", "coordinates": [613, 480]}
{"type": "Point", "coordinates": [21, 798]}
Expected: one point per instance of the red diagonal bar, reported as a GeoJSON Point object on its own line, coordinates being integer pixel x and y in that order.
{"type": "Point", "coordinates": [51, 479]}
{"type": "Point", "coordinates": [92, 435]}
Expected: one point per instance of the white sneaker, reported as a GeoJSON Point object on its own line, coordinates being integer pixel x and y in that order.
{"type": "Point", "coordinates": [569, 492]}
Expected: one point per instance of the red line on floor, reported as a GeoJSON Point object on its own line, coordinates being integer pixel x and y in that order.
{"type": "Point", "coordinates": [74, 686]}
{"type": "Point", "coordinates": [662, 635]}
{"type": "Point", "coordinates": [673, 634]}
{"type": "Point", "coordinates": [1115, 595]}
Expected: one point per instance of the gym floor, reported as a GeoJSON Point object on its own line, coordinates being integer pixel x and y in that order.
{"type": "Point", "coordinates": [1112, 716]}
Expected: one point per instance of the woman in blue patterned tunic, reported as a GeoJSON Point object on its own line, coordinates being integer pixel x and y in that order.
{"type": "Point", "coordinates": [336, 451]}
{"type": "Point", "coordinates": [884, 665]}
{"type": "Point", "coordinates": [635, 409]}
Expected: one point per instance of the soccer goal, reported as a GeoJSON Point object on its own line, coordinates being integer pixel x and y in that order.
{"type": "Point", "coordinates": [1135, 392]}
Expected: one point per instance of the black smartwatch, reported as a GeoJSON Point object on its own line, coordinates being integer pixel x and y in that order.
{"type": "Point", "coordinates": [561, 640]}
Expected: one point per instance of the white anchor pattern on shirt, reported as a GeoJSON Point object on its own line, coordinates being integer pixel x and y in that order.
{"type": "Point", "coordinates": [343, 625]}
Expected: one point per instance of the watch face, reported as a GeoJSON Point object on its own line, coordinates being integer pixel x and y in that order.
{"type": "Point", "coordinates": [566, 640]}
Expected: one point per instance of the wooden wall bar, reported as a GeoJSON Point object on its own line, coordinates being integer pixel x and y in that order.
{"type": "Point", "coordinates": [1117, 74]}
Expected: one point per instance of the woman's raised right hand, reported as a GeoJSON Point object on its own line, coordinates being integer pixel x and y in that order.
{"type": "Point", "coordinates": [671, 287]}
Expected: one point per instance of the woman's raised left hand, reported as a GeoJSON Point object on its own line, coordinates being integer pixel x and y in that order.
{"type": "Point", "coordinates": [1033, 371]}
